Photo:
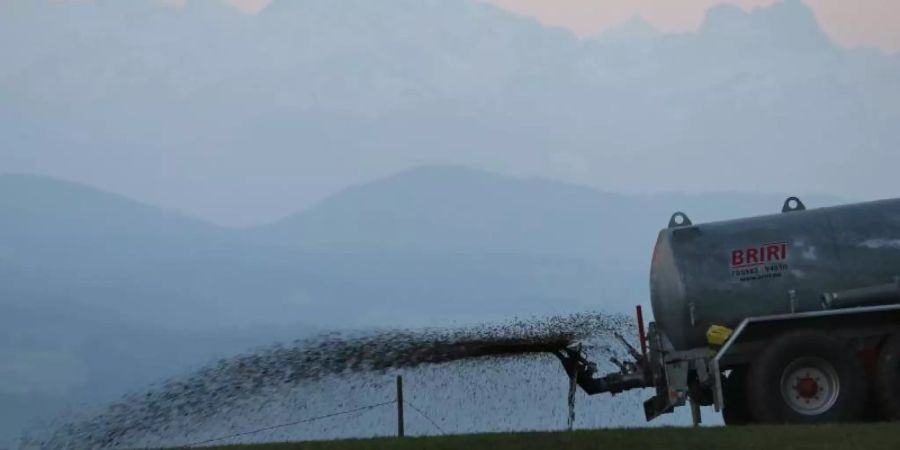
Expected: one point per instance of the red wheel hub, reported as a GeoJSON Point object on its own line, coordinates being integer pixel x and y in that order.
{"type": "Point", "coordinates": [807, 387]}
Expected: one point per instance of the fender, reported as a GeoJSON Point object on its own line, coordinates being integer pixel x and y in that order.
{"type": "Point", "coordinates": [850, 322]}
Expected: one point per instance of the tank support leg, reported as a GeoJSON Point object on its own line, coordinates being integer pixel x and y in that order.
{"type": "Point", "coordinates": [695, 413]}
{"type": "Point", "coordinates": [573, 385]}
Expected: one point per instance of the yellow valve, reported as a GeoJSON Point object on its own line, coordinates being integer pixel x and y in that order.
{"type": "Point", "coordinates": [718, 335]}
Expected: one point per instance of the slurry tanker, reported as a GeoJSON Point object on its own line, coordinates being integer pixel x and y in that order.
{"type": "Point", "coordinates": [785, 318]}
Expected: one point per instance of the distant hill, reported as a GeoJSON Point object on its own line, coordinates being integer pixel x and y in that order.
{"type": "Point", "coordinates": [43, 204]}
{"type": "Point", "coordinates": [66, 243]}
{"type": "Point", "coordinates": [438, 241]}
{"type": "Point", "coordinates": [457, 209]}
{"type": "Point", "coordinates": [434, 244]}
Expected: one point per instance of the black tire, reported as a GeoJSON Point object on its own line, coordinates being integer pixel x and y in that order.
{"type": "Point", "coordinates": [806, 377]}
{"type": "Point", "coordinates": [887, 379]}
{"type": "Point", "coordinates": [734, 395]}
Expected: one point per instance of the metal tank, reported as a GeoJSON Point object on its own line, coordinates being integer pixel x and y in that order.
{"type": "Point", "coordinates": [800, 260]}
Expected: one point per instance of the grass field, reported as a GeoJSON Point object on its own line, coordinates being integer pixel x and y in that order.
{"type": "Point", "coordinates": [824, 437]}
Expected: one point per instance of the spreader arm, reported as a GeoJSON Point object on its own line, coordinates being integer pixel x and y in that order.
{"type": "Point", "coordinates": [631, 376]}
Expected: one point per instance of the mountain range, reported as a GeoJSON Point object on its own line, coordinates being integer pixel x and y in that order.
{"type": "Point", "coordinates": [242, 119]}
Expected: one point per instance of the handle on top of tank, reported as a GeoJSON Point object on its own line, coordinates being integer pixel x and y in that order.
{"type": "Point", "coordinates": [792, 204]}
{"type": "Point", "coordinates": [679, 219]}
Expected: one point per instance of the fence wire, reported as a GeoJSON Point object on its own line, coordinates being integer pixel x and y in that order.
{"type": "Point", "coordinates": [421, 413]}
{"type": "Point", "coordinates": [360, 409]}
{"type": "Point", "coordinates": [289, 424]}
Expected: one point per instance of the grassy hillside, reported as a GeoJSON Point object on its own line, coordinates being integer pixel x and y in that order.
{"type": "Point", "coordinates": [826, 437]}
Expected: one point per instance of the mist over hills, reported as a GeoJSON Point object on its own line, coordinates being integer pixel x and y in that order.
{"type": "Point", "coordinates": [103, 294]}
{"type": "Point", "coordinates": [439, 223]}
{"type": "Point", "coordinates": [98, 287]}
{"type": "Point", "coordinates": [396, 238]}
{"type": "Point", "coordinates": [262, 114]}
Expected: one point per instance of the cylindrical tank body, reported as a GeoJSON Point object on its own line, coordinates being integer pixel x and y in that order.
{"type": "Point", "coordinates": [720, 273]}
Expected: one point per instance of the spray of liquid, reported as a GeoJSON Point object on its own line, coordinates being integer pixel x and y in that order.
{"type": "Point", "coordinates": [227, 383]}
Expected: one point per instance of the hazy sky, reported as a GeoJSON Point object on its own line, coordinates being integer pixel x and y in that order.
{"type": "Point", "coordinates": [849, 22]}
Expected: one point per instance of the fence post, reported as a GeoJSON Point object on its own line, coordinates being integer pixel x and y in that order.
{"type": "Point", "coordinates": [399, 406]}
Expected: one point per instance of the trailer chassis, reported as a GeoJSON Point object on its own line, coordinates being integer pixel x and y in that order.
{"type": "Point", "coordinates": [696, 375]}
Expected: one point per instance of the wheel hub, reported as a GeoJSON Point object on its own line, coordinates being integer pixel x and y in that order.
{"type": "Point", "coordinates": [807, 387]}
{"type": "Point", "coordinates": [810, 386]}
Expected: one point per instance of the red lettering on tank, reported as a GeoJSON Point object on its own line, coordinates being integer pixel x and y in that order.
{"type": "Point", "coordinates": [751, 256]}
{"type": "Point", "coordinates": [737, 258]}
{"type": "Point", "coordinates": [773, 253]}
{"type": "Point", "coordinates": [755, 256]}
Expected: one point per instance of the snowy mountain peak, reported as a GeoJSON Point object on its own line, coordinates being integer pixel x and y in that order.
{"type": "Point", "coordinates": [634, 29]}
{"type": "Point", "coordinates": [788, 25]}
